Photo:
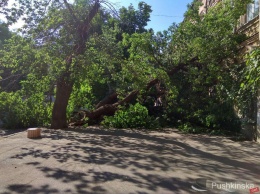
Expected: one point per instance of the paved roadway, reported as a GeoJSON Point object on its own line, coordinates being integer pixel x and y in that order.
{"type": "Point", "coordinates": [103, 161]}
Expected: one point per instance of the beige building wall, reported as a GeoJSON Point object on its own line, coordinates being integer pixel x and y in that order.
{"type": "Point", "coordinates": [203, 8]}
{"type": "Point", "coordinates": [206, 5]}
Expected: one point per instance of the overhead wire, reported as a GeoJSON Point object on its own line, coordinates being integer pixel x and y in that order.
{"type": "Point", "coordinates": [169, 16]}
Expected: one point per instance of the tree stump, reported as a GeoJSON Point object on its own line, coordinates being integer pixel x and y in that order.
{"type": "Point", "coordinates": [34, 133]}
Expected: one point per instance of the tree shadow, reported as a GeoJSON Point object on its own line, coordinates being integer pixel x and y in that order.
{"type": "Point", "coordinates": [130, 161]}
{"type": "Point", "coordinates": [7, 132]}
{"type": "Point", "coordinates": [19, 188]}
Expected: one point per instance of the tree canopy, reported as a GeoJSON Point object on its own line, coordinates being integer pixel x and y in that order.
{"type": "Point", "coordinates": [95, 63]}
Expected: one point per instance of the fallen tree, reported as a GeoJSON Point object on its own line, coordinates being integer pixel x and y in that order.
{"type": "Point", "coordinates": [107, 107]}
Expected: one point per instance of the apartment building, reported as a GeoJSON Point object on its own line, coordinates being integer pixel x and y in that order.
{"type": "Point", "coordinates": [248, 24]}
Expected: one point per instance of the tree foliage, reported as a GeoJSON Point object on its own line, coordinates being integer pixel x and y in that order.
{"type": "Point", "coordinates": [95, 63]}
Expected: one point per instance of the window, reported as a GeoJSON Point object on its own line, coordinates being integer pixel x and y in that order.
{"type": "Point", "coordinates": [211, 3]}
{"type": "Point", "coordinates": [252, 10]}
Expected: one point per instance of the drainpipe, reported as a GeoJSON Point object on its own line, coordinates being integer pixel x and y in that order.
{"type": "Point", "coordinates": [258, 97]}
{"type": "Point", "coordinates": [258, 118]}
{"type": "Point", "coordinates": [206, 6]}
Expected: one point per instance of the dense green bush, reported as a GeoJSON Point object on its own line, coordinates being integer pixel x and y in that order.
{"type": "Point", "coordinates": [204, 115]}
{"type": "Point", "coordinates": [11, 110]}
{"type": "Point", "coordinates": [19, 112]}
{"type": "Point", "coordinates": [135, 116]}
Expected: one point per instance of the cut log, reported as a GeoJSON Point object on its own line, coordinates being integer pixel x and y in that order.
{"type": "Point", "coordinates": [107, 109]}
{"type": "Point", "coordinates": [110, 109]}
{"type": "Point", "coordinates": [112, 98]}
{"type": "Point", "coordinates": [34, 133]}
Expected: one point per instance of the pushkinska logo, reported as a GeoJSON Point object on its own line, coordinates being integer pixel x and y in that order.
{"type": "Point", "coordinates": [200, 185]}
{"type": "Point", "coordinates": [204, 185]}
{"type": "Point", "coordinates": [254, 190]}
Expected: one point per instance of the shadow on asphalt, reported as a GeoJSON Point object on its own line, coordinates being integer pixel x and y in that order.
{"type": "Point", "coordinates": [151, 159]}
{"type": "Point", "coordinates": [7, 132]}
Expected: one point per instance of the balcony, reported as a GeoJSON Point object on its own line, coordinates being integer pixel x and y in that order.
{"type": "Point", "coordinates": [251, 30]}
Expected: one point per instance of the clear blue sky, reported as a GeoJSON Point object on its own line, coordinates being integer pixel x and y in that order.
{"type": "Point", "coordinates": [165, 12]}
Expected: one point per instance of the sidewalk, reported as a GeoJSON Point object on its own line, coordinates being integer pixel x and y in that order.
{"type": "Point", "coordinates": [123, 162]}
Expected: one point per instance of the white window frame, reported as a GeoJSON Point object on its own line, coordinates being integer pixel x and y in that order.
{"type": "Point", "coordinates": [252, 10]}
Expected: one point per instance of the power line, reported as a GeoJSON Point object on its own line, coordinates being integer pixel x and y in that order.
{"type": "Point", "coordinates": [168, 16]}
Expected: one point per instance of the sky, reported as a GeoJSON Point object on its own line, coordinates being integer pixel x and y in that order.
{"type": "Point", "coordinates": [165, 12]}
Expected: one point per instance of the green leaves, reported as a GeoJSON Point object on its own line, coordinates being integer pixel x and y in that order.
{"type": "Point", "coordinates": [134, 21]}
{"type": "Point", "coordinates": [136, 116]}
{"type": "Point", "coordinates": [16, 111]}
{"type": "Point", "coordinates": [207, 47]}
{"type": "Point", "coordinates": [120, 55]}
{"type": "Point", "coordinates": [251, 74]}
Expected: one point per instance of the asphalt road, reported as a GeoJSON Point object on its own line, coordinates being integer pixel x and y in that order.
{"type": "Point", "coordinates": [103, 161]}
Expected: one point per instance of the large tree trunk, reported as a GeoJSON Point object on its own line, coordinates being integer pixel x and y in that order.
{"type": "Point", "coordinates": [64, 84]}
{"type": "Point", "coordinates": [63, 91]}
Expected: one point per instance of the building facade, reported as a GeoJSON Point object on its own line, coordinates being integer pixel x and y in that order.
{"type": "Point", "coordinates": [248, 24]}
{"type": "Point", "coordinates": [206, 5]}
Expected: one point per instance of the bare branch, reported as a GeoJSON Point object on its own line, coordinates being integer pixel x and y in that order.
{"type": "Point", "coordinates": [12, 83]}
{"type": "Point", "coordinates": [71, 11]}
{"type": "Point", "coordinates": [11, 76]}
{"type": "Point", "coordinates": [111, 7]}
